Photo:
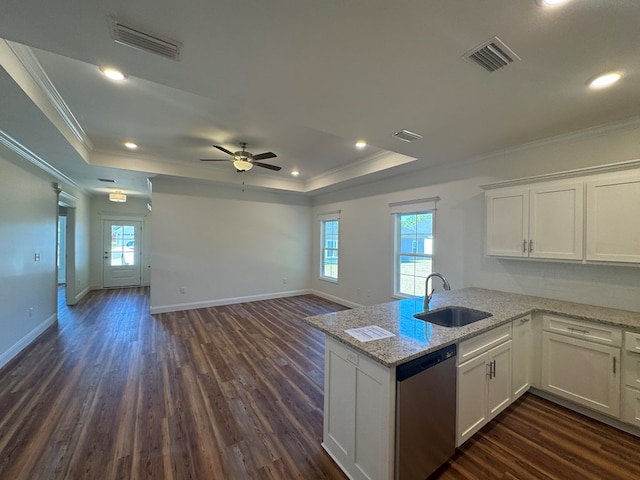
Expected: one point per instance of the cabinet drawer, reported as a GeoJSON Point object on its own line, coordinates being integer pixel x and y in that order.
{"type": "Point", "coordinates": [632, 342]}
{"type": "Point", "coordinates": [483, 342]}
{"type": "Point", "coordinates": [594, 332]}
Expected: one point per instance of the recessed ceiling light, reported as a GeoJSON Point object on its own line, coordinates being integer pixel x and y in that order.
{"type": "Point", "coordinates": [112, 74]}
{"type": "Point", "coordinates": [605, 80]}
{"type": "Point", "coordinates": [130, 145]}
{"type": "Point", "coordinates": [551, 3]}
{"type": "Point", "coordinates": [295, 173]}
{"type": "Point", "coordinates": [361, 144]}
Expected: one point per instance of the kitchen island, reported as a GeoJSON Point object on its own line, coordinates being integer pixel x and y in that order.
{"type": "Point", "coordinates": [360, 380]}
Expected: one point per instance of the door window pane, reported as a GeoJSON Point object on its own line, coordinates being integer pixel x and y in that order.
{"type": "Point", "coordinates": [123, 240]}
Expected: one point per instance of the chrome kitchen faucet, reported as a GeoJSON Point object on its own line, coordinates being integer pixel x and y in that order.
{"type": "Point", "coordinates": [427, 295]}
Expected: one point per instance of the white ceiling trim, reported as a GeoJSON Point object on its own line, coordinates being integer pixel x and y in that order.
{"type": "Point", "coordinates": [373, 164]}
{"type": "Point", "coordinates": [20, 62]}
{"type": "Point", "coordinates": [27, 154]}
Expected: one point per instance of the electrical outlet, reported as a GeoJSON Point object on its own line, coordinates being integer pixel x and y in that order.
{"type": "Point", "coordinates": [30, 312]}
{"type": "Point", "coordinates": [284, 280]}
{"type": "Point", "coordinates": [183, 289]}
{"type": "Point", "coordinates": [36, 257]}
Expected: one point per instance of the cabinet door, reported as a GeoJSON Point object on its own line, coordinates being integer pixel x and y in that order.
{"type": "Point", "coordinates": [522, 354]}
{"type": "Point", "coordinates": [507, 222]}
{"type": "Point", "coordinates": [613, 229]}
{"type": "Point", "coordinates": [373, 448]}
{"type": "Point", "coordinates": [359, 413]}
{"type": "Point", "coordinates": [556, 225]}
{"type": "Point", "coordinates": [631, 406]}
{"type": "Point", "coordinates": [584, 372]}
{"type": "Point", "coordinates": [499, 385]}
{"type": "Point", "coordinates": [472, 397]}
{"type": "Point", "coordinates": [632, 369]}
{"type": "Point", "coordinates": [339, 403]}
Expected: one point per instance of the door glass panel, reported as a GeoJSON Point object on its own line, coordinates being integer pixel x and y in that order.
{"type": "Point", "coordinates": [123, 240]}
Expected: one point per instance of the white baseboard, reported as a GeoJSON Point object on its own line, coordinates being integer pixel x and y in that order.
{"type": "Point", "coordinates": [335, 299]}
{"type": "Point", "coordinates": [224, 301]}
{"type": "Point", "coordinates": [25, 341]}
{"type": "Point", "coordinates": [79, 296]}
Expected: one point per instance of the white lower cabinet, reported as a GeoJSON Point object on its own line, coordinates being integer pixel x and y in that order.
{"type": "Point", "coordinates": [484, 381]}
{"type": "Point", "coordinates": [631, 368]}
{"type": "Point", "coordinates": [522, 355]}
{"type": "Point", "coordinates": [582, 363]}
{"type": "Point", "coordinates": [359, 413]}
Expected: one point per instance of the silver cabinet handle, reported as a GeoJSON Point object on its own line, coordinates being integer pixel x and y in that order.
{"type": "Point", "coordinates": [524, 246]}
{"type": "Point", "coordinates": [530, 246]}
{"type": "Point", "coordinates": [578, 330]}
{"type": "Point", "coordinates": [614, 365]}
{"type": "Point", "coordinates": [488, 365]}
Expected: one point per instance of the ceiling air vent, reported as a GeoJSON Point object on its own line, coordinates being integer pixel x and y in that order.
{"type": "Point", "coordinates": [407, 136]}
{"type": "Point", "coordinates": [492, 55]}
{"type": "Point", "coordinates": [149, 42]}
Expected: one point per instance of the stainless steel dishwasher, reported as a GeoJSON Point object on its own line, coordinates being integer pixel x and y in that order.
{"type": "Point", "coordinates": [425, 413]}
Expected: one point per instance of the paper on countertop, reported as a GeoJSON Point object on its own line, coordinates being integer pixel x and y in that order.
{"type": "Point", "coordinates": [369, 333]}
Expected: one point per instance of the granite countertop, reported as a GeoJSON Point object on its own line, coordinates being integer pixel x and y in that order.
{"type": "Point", "coordinates": [414, 338]}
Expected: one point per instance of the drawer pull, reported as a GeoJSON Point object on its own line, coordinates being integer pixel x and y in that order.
{"type": "Point", "coordinates": [578, 330]}
{"type": "Point", "coordinates": [524, 246]}
{"type": "Point", "coordinates": [614, 365]}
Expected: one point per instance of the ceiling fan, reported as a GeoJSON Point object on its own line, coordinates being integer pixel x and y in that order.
{"type": "Point", "coordinates": [244, 160]}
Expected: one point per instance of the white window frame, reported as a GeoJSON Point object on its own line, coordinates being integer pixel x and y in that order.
{"type": "Point", "coordinates": [410, 207]}
{"type": "Point", "coordinates": [333, 252]}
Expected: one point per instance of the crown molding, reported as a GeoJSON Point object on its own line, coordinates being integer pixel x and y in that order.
{"type": "Point", "coordinates": [374, 163]}
{"type": "Point", "coordinates": [579, 172]}
{"type": "Point", "coordinates": [33, 67]}
{"type": "Point", "coordinates": [28, 155]}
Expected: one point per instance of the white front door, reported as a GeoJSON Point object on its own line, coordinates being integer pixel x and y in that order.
{"type": "Point", "coordinates": [121, 253]}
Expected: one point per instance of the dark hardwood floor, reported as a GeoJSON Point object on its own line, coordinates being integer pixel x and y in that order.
{"type": "Point", "coordinates": [233, 392]}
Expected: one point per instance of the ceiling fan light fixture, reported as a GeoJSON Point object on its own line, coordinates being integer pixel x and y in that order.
{"type": "Point", "coordinates": [117, 197]}
{"type": "Point", "coordinates": [242, 164]}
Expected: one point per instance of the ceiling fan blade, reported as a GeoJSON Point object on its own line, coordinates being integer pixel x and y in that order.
{"type": "Point", "coordinates": [266, 165]}
{"type": "Point", "coordinates": [215, 160]}
{"type": "Point", "coordinates": [224, 150]}
{"type": "Point", "coordinates": [264, 156]}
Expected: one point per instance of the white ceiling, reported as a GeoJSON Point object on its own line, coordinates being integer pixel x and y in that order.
{"type": "Point", "coordinates": [306, 79]}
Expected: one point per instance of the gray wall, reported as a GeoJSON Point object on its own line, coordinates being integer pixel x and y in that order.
{"type": "Point", "coordinates": [28, 288]}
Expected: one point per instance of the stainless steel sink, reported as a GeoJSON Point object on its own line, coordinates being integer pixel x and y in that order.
{"type": "Point", "coordinates": [453, 316]}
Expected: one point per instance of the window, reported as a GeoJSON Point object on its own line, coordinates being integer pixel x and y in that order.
{"type": "Point", "coordinates": [413, 252]}
{"type": "Point", "coordinates": [329, 233]}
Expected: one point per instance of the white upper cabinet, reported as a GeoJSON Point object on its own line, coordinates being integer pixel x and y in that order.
{"type": "Point", "coordinates": [541, 221]}
{"type": "Point", "coordinates": [507, 222]}
{"type": "Point", "coordinates": [613, 219]}
{"type": "Point", "coordinates": [588, 215]}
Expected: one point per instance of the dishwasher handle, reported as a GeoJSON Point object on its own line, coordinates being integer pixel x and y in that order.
{"type": "Point", "coordinates": [413, 367]}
